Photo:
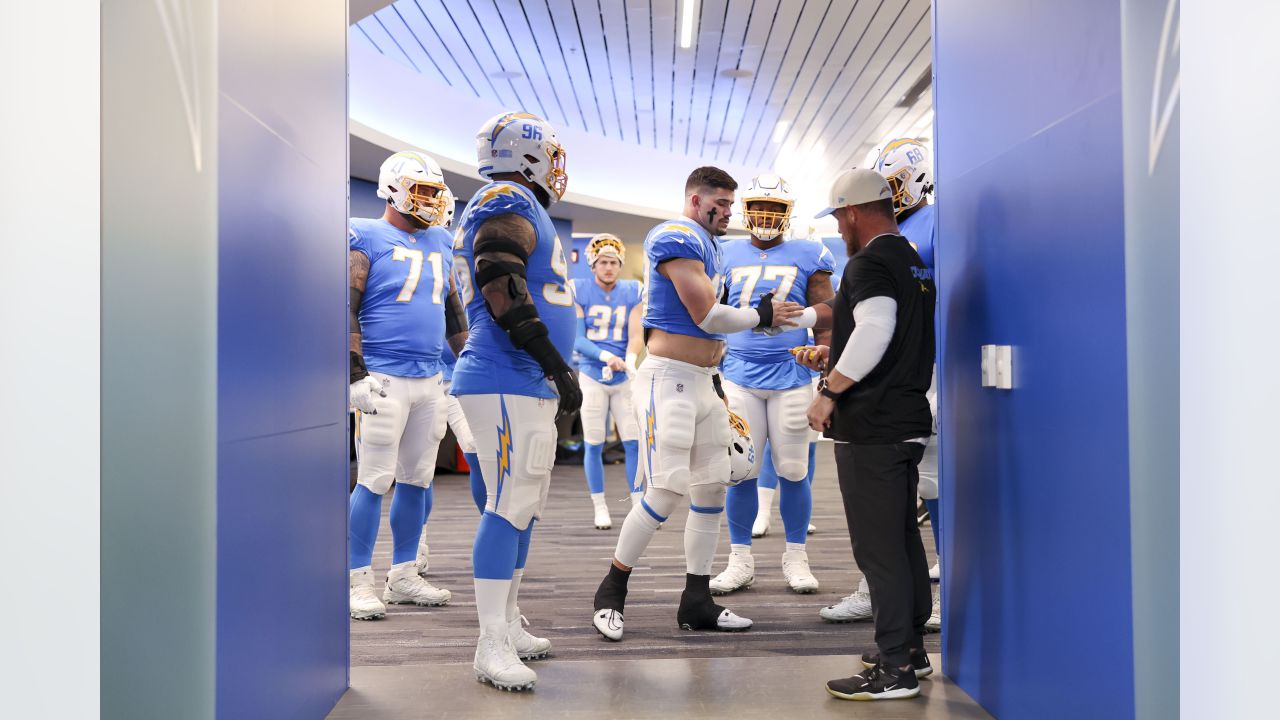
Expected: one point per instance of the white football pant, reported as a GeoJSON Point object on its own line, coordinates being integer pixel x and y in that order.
{"type": "Point", "coordinates": [401, 440]}
{"type": "Point", "coordinates": [779, 417]}
{"type": "Point", "coordinates": [458, 423]}
{"type": "Point", "coordinates": [686, 425]}
{"type": "Point", "coordinates": [515, 438]}
{"type": "Point", "coordinates": [599, 401]}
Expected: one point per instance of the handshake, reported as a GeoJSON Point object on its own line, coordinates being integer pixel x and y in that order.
{"type": "Point", "coordinates": [778, 316]}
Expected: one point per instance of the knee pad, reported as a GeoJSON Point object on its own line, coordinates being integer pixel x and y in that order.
{"type": "Point", "coordinates": [708, 496]}
{"type": "Point", "coordinates": [662, 502]}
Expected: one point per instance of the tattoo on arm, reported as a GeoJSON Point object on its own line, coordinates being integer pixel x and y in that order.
{"type": "Point", "coordinates": [820, 291]}
{"type": "Point", "coordinates": [358, 275]}
{"type": "Point", "coordinates": [505, 293]}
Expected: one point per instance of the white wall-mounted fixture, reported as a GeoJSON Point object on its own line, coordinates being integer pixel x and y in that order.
{"type": "Point", "coordinates": [997, 366]}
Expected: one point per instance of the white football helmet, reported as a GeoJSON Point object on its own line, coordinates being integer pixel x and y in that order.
{"type": "Point", "coordinates": [450, 203]}
{"type": "Point", "coordinates": [413, 184]}
{"type": "Point", "coordinates": [526, 144]}
{"type": "Point", "coordinates": [605, 244]}
{"type": "Point", "coordinates": [905, 164]}
{"type": "Point", "coordinates": [742, 452]}
{"type": "Point", "coordinates": [767, 224]}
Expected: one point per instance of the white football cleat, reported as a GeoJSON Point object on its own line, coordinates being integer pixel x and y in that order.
{"type": "Point", "coordinates": [608, 623]}
{"type": "Point", "coordinates": [812, 529]}
{"type": "Point", "coordinates": [365, 604]}
{"type": "Point", "coordinates": [935, 573]}
{"type": "Point", "coordinates": [795, 568]}
{"type": "Point", "coordinates": [404, 587]}
{"type": "Point", "coordinates": [760, 527]}
{"type": "Point", "coordinates": [602, 520]}
{"type": "Point", "coordinates": [739, 574]}
{"type": "Point", "coordinates": [728, 622]}
{"type": "Point", "coordinates": [497, 663]}
{"type": "Point", "coordinates": [424, 558]}
{"type": "Point", "coordinates": [934, 623]}
{"type": "Point", "coordinates": [851, 608]}
{"type": "Point", "coordinates": [527, 645]}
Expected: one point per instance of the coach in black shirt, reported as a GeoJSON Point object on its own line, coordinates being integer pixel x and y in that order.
{"type": "Point", "coordinates": [872, 403]}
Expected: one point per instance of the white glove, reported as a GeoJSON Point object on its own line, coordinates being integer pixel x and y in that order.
{"type": "Point", "coordinates": [364, 390]}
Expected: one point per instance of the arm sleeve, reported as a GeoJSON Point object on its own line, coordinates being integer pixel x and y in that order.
{"type": "Point", "coordinates": [874, 321]}
{"type": "Point", "coordinates": [585, 346]}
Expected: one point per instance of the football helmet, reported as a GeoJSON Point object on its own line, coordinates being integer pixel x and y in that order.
{"type": "Point", "coordinates": [413, 184]}
{"type": "Point", "coordinates": [605, 244]}
{"type": "Point", "coordinates": [742, 453]}
{"type": "Point", "coordinates": [523, 143]}
{"type": "Point", "coordinates": [904, 163]}
{"type": "Point", "coordinates": [767, 224]}
{"type": "Point", "coordinates": [450, 203]}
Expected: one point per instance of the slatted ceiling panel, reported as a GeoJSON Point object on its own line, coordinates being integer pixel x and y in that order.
{"type": "Point", "coordinates": [898, 76]}
{"type": "Point", "coordinates": [767, 54]}
{"type": "Point", "coordinates": [782, 60]}
{"type": "Point", "coordinates": [612, 18]}
{"type": "Point", "coordinates": [496, 26]}
{"type": "Point", "coordinates": [833, 70]}
{"type": "Point", "coordinates": [428, 20]}
{"type": "Point", "coordinates": [838, 121]}
{"type": "Point", "coordinates": [554, 60]}
{"type": "Point", "coordinates": [705, 72]}
{"type": "Point", "coordinates": [760, 30]}
{"type": "Point", "coordinates": [604, 76]}
{"type": "Point", "coordinates": [638, 49]}
{"type": "Point", "coordinates": [564, 25]}
{"type": "Point", "coordinates": [862, 28]}
{"type": "Point", "coordinates": [543, 64]}
{"type": "Point", "coordinates": [836, 38]}
{"type": "Point", "coordinates": [663, 35]}
{"type": "Point", "coordinates": [730, 51]}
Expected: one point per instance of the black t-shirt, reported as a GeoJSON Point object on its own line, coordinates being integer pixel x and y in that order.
{"type": "Point", "coordinates": [889, 404]}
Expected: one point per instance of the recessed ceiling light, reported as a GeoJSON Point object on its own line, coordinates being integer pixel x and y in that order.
{"type": "Point", "coordinates": [688, 10]}
{"type": "Point", "coordinates": [506, 74]}
{"type": "Point", "coordinates": [780, 130]}
{"type": "Point", "coordinates": [737, 73]}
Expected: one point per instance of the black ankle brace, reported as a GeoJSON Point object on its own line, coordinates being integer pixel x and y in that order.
{"type": "Point", "coordinates": [612, 593]}
{"type": "Point", "coordinates": [697, 610]}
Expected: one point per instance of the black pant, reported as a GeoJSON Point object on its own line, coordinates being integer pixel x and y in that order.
{"type": "Point", "coordinates": [878, 484]}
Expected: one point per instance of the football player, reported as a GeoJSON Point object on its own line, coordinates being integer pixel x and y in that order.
{"type": "Point", "coordinates": [513, 277]}
{"type": "Point", "coordinates": [402, 307]}
{"type": "Point", "coordinates": [608, 342]}
{"type": "Point", "coordinates": [457, 421]}
{"type": "Point", "coordinates": [680, 401]}
{"type": "Point", "coordinates": [765, 387]}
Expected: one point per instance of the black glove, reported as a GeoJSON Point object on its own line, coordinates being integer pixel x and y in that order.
{"type": "Point", "coordinates": [765, 309]}
{"type": "Point", "coordinates": [558, 371]}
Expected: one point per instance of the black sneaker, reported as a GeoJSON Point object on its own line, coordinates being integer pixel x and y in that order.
{"type": "Point", "coordinates": [919, 661]}
{"type": "Point", "coordinates": [876, 683]}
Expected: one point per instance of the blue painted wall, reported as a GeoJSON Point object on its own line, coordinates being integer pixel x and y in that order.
{"type": "Point", "coordinates": [1031, 254]}
{"type": "Point", "coordinates": [282, 624]}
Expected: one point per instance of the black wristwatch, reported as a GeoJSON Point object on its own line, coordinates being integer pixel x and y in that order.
{"type": "Point", "coordinates": [825, 391]}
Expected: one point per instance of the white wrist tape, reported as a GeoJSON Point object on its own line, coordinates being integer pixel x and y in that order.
{"type": "Point", "coordinates": [631, 360]}
{"type": "Point", "coordinates": [727, 319]}
{"type": "Point", "coordinates": [807, 319]}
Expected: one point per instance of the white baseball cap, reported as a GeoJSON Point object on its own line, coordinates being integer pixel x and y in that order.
{"type": "Point", "coordinates": [857, 186]}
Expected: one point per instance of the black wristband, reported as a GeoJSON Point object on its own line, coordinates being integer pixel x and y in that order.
{"type": "Point", "coordinates": [358, 370]}
{"type": "Point", "coordinates": [765, 310]}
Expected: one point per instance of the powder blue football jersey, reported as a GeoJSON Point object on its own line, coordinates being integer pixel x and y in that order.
{"type": "Point", "coordinates": [679, 238]}
{"type": "Point", "coordinates": [756, 360]}
{"type": "Point", "coordinates": [489, 363]}
{"type": "Point", "coordinates": [605, 320]}
{"type": "Point", "coordinates": [921, 230]}
{"type": "Point", "coordinates": [402, 311]}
